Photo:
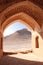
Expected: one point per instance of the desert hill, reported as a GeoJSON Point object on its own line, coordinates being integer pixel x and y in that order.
{"type": "Point", "coordinates": [19, 40]}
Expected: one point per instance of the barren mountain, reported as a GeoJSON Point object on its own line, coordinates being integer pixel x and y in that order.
{"type": "Point", "coordinates": [20, 40]}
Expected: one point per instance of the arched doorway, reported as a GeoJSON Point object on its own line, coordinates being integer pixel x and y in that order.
{"type": "Point", "coordinates": [24, 18]}
{"type": "Point", "coordinates": [37, 42]}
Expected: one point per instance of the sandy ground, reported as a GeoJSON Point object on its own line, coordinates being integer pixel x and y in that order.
{"type": "Point", "coordinates": [29, 56]}
{"type": "Point", "coordinates": [21, 59]}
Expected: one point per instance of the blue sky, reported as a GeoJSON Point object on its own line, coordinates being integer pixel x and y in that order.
{"type": "Point", "coordinates": [13, 28]}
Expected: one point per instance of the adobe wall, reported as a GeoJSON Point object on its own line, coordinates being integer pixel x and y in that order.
{"type": "Point", "coordinates": [37, 51]}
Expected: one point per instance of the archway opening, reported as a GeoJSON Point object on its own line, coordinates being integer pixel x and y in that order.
{"type": "Point", "coordinates": [17, 38]}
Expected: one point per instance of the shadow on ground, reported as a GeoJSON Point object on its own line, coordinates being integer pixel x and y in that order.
{"type": "Point", "coordinates": [7, 60]}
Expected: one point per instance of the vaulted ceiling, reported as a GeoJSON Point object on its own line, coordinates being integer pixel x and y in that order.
{"type": "Point", "coordinates": [5, 3]}
{"type": "Point", "coordinates": [33, 8]}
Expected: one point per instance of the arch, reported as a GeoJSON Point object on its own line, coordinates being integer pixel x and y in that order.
{"type": "Point", "coordinates": [24, 18]}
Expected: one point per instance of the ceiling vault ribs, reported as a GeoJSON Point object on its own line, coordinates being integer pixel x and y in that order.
{"type": "Point", "coordinates": [28, 8]}
{"type": "Point", "coordinates": [6, 3]}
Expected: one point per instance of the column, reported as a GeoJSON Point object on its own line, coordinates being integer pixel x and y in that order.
{"type": "Point", "coordinates": [1, 43]}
